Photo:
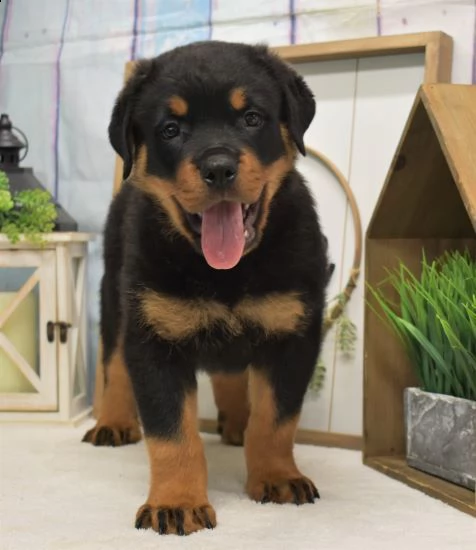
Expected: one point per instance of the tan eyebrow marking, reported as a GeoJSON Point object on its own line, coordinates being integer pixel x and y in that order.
{"type": "Point", "coordinates": [178, 105]}
{"type": "Point", "coordinates": [238, 98]}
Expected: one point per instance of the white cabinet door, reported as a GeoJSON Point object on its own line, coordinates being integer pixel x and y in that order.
{"type": "Point", "coordinates": [28, 361]}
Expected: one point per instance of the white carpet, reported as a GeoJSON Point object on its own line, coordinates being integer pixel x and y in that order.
{"type": "Point", "coordinates": [60, 494]}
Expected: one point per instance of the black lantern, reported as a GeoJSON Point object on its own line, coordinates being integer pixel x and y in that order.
{"type": "Point", "coordinates": [23, 178]}
{"type": "Point", "coordinates": [10, 145]}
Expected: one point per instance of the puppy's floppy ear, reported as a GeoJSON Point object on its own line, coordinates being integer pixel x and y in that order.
{"type": "Point", "coordinates": [299, 106]}
{"type": "Point", "coordinates": [120, 127]}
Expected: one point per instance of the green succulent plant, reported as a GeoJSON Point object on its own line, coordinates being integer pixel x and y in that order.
{"type": "Point", "coordinates": [30, 212]}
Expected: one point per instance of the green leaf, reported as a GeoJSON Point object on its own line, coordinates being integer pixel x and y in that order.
{"type": "Point", "coordinates": [434, 317]}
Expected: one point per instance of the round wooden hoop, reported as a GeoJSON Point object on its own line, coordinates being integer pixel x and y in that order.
{"type": "Point", "coordinates": [335, 311]}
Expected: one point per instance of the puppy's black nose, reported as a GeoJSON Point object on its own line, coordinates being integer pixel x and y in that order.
{"type": "Point", "coordinates": [219, 170]}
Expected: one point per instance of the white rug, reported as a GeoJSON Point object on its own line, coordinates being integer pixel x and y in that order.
{"type": "Point", "coordinates": [59, 494]}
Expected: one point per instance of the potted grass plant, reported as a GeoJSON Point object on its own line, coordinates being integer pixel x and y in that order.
{"type": "Point", "coordinates": [434, 316]}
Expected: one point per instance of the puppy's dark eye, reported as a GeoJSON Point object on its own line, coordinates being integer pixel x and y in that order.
{"type": "Point", "coordinates": [170, 130]}
{"type": "Point", "coordinates": [253, 119]}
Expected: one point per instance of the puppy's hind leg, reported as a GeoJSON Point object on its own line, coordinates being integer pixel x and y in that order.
{"type": "Point", "coordinates": [231, 399]}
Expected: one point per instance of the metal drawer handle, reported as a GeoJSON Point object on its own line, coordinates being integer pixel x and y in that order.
{"type": "Point", "coordinates": [63, 331]}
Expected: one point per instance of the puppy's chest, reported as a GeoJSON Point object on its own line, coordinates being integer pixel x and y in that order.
{"type": "Point", "coordinates": [178, 319]}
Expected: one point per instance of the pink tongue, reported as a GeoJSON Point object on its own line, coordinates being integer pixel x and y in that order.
{"type": "Point", "coordinates": [223, 240]}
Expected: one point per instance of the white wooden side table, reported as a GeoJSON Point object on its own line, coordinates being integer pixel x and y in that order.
{"type": "Point", "coordinates": [43, 321]}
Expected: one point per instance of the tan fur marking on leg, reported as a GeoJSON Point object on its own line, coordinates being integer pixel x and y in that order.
{"type": "Point", "coordinates": [269, 448]}
{"type": "Point", "coordinates": [118, 401]}
{"type": "Point", "coordinates": [272, 471]}
{"type": "Point", "coordinates": [178, 468]}
{"type": "Point", "coordinates": [178, 479]}
{"type": "Point", "coordinates": [231, 399]}
{"type": "Point", "coordinates": [118, 413]}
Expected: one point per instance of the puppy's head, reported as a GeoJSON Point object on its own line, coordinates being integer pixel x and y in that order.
{"type": "Point", "coordinates": [210, 130]}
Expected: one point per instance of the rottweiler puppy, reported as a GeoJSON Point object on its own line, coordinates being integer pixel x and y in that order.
{"type": "Point", "coordinates": [215, 261]}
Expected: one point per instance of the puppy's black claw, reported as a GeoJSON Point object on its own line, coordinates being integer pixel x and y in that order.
{"type": "Point", "coordinates": [162, 518]}
{"type": "Point", "coordinates": [208, 523]}
{"type": "Point", "coordinates": [179, 519]}
{"type": "Point", "coordinates": [142, 519]}
{"type": "Point", "coordinates": [309, 495]}
{"type": "Point", "coordinates": [295, 491]}
{"type": "Point", "coordinates": [316, 493]}
{"type": "Point", "coordinates": [104, 437]}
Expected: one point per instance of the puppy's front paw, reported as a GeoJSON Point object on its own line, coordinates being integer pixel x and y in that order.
{"type": "Point", "coordinates": [280, 489]}
{"type": "Point", "coordinates": [112, 436]}
{"type": "Point", "coordinates": [177, 520]}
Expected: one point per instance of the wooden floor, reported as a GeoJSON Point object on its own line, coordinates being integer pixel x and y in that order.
{"type": "Point", "coordinates": [396, 467]}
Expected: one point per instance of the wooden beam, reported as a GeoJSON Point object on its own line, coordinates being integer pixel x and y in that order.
{"type": "Point", "coordinates": [306, 437]}
{"type": "Point", "coordinates": [397, 468]}
{"type": "Point", "coordinates": [437, 47]}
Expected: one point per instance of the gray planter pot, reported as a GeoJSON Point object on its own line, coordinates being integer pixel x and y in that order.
{"type": "Point", "coordinates": [441, 436]}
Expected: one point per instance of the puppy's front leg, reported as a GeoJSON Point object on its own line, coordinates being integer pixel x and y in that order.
{"type": "Point", "coordinates": [276, 390]}
{"type": "Point", "coordinates": [165, 391]}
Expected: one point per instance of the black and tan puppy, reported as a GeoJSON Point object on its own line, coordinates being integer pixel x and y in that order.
{"type": "Point", "coordinates": [214, 260]}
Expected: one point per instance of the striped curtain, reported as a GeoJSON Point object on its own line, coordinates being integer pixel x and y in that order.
{"type": "Point", "coordinates": [62, 63]}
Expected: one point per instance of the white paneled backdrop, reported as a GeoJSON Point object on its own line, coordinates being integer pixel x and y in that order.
{"type": "Point", "coordinates": [62, 63]}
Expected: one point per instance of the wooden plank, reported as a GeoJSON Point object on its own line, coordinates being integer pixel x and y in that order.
{"type": "Point", "coordinates": [437, 61]}
{"type": "Point", "coordinates": [49, 365]}
{"type": "Point", "coordinates": [50, 238]}
{"type": "Point", "coordinates": [329, 439]}
{"type": "Point", "coordinates": [419, 198]}
{"type": "Point", "coordinates": [25, 406]}
{"type": "Point", "coordinates": [40, 416]}
{"type": "Point", "coordinates": [306, 437]}
{"type": "Point", "coordinates": [438, 58]}
{"type": "Point", "coordinates": [397, 468]}
{"type": "Point", "coordinates": [452, 111]}
{"type": "Point", "coordinates": [63, 311]}
{"type": "Point", "coordinates": [387, 371]}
